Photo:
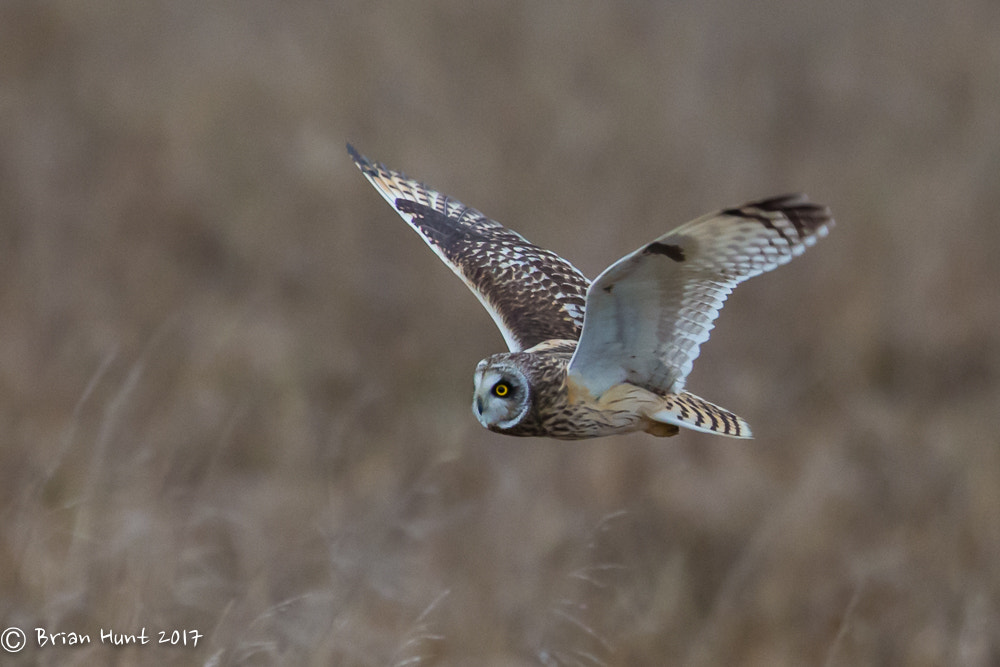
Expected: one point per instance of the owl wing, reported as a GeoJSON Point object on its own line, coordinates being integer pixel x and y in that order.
{"type": "Point", "coordinates": [532, 294]}
{"type": "Point", "coordinates": [648, 313]}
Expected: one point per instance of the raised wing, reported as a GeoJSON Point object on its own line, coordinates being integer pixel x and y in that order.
{"type": "Point", "coordinates": [532, 294]}
{"type": "Point", "coordinates": [648, 313]}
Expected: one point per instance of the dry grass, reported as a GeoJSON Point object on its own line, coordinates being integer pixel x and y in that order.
{"type": "Point", "coordinates": [235, 387]}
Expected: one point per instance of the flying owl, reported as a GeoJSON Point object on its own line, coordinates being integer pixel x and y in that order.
{"type": "Point", "coordinates": [590, 359]}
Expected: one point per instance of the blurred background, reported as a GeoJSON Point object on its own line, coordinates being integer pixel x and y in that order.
{"type": "Point", "coordinates": [235, 387]}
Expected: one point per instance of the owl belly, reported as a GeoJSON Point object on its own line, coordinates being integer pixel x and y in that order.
{"type": "Point", "coordinates": [576, 414]}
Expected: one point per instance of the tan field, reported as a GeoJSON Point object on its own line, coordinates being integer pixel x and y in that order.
{"type": "Point", "coordinates": [236, 387]}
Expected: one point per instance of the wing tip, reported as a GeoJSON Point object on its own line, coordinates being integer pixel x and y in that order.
{"type": "Point", "coordinates": [809, 219]}
{"type": "Point", "coordinates": [358, 158]}
{"type": "Point", "coordinates": [367, 167]}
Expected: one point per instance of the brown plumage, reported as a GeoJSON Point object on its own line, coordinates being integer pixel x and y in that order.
{"type": "Point", "coordinates": [593, 359]}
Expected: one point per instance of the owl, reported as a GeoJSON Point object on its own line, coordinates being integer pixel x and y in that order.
{"type": "Point", "coordinates": [590, 359]}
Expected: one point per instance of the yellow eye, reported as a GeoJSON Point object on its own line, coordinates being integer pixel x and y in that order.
{"type": "Point", "coordinates": [501, 389]}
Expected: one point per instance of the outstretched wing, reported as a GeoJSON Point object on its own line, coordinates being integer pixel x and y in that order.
{"type": "Point", "coordinates": [648, 313]}
{"type": "Point", "coordinates": [532, 294]}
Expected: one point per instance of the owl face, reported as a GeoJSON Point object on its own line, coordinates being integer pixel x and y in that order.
{"type": "Point", "coordinates": [502, 397]}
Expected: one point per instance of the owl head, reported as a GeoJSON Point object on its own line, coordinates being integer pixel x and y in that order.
{"type": "Point", "coordinates": [502, 397]}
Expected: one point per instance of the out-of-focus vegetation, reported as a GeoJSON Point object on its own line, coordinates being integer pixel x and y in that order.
{"type": "Point", "coordinates": [234, 386]}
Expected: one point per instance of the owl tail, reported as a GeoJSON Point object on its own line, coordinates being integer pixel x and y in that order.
{"type": "Point", "coordinates": [697, 414]}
